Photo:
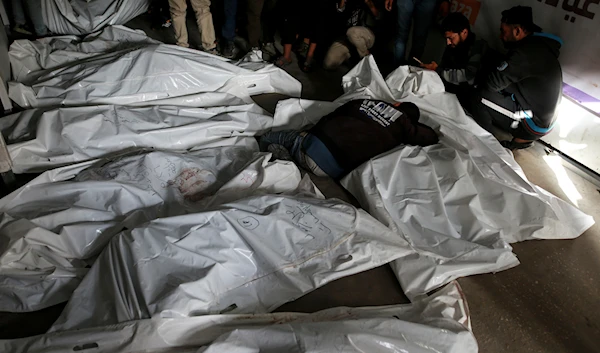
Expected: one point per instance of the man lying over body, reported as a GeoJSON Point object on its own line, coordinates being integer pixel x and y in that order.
{"type": "Point", "coordinates": [351, 135]}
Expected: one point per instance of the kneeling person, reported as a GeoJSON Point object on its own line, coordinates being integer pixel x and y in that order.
{"type": "Point", "coordinates": [522, 94]}
{"type": "Point", "coordinates": [463, 56]}
{"type": "Point", "coordinates": [351, 135]}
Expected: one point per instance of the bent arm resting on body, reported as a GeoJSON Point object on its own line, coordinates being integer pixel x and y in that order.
{"type": "Point", "coordinates": [468, 73]}
{"type": "Point", "coordinates": [514, 69]}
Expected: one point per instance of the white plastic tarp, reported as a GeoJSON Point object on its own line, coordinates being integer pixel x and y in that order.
{"type": "Point", "coordinates": [458, 203]}
{"type": "Point", "coordinates": [53, 228]}
{"type": "Point", "coordinates": [27, 56]}
{"type": "Point", "coordinates": [439, 323]}
{"type": "Point", "coordinates": [153, 74]}
{"type": "Point", "coordinates": [249, 256]}
{"type": "Point", "coordinates": [87, 16]}
{"type": "Point", "coordinates": [41, 139]}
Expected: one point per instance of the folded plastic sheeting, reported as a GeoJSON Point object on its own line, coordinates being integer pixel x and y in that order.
{"type": "Point", "coordinates": [45, 53]}
{"type": "Point", "coordinates": [250, 256]}
{"type": "Point", "coordinates": [153, 74]}
{"type": "Point", "coordinates": [363, 81]}
{"type": "Point", "coordinates": [458, 203]}
{"type": "Point", "coordinates": [439, 323]}
{"type": "Point", "coordinates": [38, 140]}
{"type": "Point", "coordinates": [87, 16]}
{"type": "Point", "coordinates": [51, 231]}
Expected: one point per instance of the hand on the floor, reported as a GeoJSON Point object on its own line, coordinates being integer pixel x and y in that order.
{"type": "Point", "coordinates": [433, 66]}
{"type": "Point", "coordinates": [388, 4]}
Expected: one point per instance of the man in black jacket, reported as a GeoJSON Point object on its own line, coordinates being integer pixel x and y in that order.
{"type": "Point", "coordinates": [462, 58]}
{"type": "Point", "coordinates": [351, 135]}
{"type": "Point", "coordinates": [522, 94]}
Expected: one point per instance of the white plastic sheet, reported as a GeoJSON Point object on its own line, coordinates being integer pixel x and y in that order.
{"type": "Point", "coordinates": [45, 53]}
{"type": "Point", "coordinates": [458, 203]}
{"type": "Point", "coordinates": [363, 81]}
{"type": "Point", "coordinates": [153, 74]}
{"type": "Point", "coordinates": [249, 256]}
{"type": "Point", "coordinates": [42, 139]}
{"type": "Point", "coordinates": [439, 323]}
{"type": "Point", "coordinates": [87, 16]}
{"type": "Point", "coordinates": [51, 230]}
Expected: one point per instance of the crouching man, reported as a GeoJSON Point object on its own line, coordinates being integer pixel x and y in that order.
{"type": "Point", "coordinates": [351, 135]}
{"type": "Point", "coordinates": [522, 94]}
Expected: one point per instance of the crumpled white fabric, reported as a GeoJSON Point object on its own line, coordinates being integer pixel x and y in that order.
{"type": "Point", "coordinates": [363, 81]}
{"type": "Point", "coordinates": [51, 230]}
{"type": "Point", "coordinates": [87, 16]}
{"type": "Point", "coordinates": [27, 56]}
{"type": "Point", "coordinates": [39, 139]}
{"type": "Point", "coordinates": [458, 203]}
{"type": "Point", "coordinates": [248, 256]}
{"type": "Point", "coordinates": [439, 323]}
{"type": "Point", "coordinates": [153, 74]}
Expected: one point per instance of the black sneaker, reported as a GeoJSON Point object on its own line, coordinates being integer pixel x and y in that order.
{"type": "Point", "coordinates": [230, 51]}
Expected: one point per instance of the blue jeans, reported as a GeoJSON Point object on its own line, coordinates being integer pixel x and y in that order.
{"type": "Point", "coordinates": [306, 150]}
{"type": "Point", "coordinates": [421, 11]}
{"type": "Point", "coordinates": [228, 29]}
{"type": "Point", "coordinates": [291, 140]}
{"type": "Point", "coordinates": [35, 13]}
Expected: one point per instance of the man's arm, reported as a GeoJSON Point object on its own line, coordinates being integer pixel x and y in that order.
{"type": "Point", "coordinates": [468, 73]}
{"type": "Point", "coordinates": [373, 8]}
{"type": "Point", "coordinates": [514, 69]}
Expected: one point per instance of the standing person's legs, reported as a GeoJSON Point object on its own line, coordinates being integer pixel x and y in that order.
{"type": "Point", "coordinates": [35, 14]}
{"type": "Point", "coordinates": [255, 8]}
{"type": "Point", "coordinates": [337, 54]}
{"type": "Point", "coordinates": [405, 10]}
{"type": "Point", "coordinates": [289, 31]}
{"type": "Point", "coordinates": [423, 16]}
{"type": "Point", "coordinates": [178, 9]}
{"type": "Point", "coordinates": [18, 12]}
{"type": "Point", "coordinates": [362, 38]}
{"type": "Point", "coordinates": [269, 21]}
{"type": "Point", "coordinates": [205, 23]}
{"type": "Point", "coordinates": [230, 12]}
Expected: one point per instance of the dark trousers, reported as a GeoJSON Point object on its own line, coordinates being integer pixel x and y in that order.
{"type": "Point", "coordinates": [417, 12]}
{"type": "Point", "coordinates": [487, 117]}
{"type": "Point", "coordinates": [230, 12]}
{"type": "Point", "coordinates": [305, 19]}
{"type": "Point", "coordinates": [262, 21]}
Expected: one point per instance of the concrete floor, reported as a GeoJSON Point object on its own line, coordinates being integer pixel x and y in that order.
{"type": "Point", "coordinates": [551, 302]}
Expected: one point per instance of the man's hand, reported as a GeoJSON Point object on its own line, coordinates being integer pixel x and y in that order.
{"type": "Point", "coordinates": [444, 9]}
{"type": "Point", "coordinates": [433, 66]}
{"type": "Point", "coordinates": [388, 4]}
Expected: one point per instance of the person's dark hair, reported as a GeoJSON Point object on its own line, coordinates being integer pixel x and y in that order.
{"type": "Point", "coordinates": [411, 110]}
{"type": "Point", "coordinates": [455, 23]}
{"type": "Point", "coordinates": [521, 16]}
